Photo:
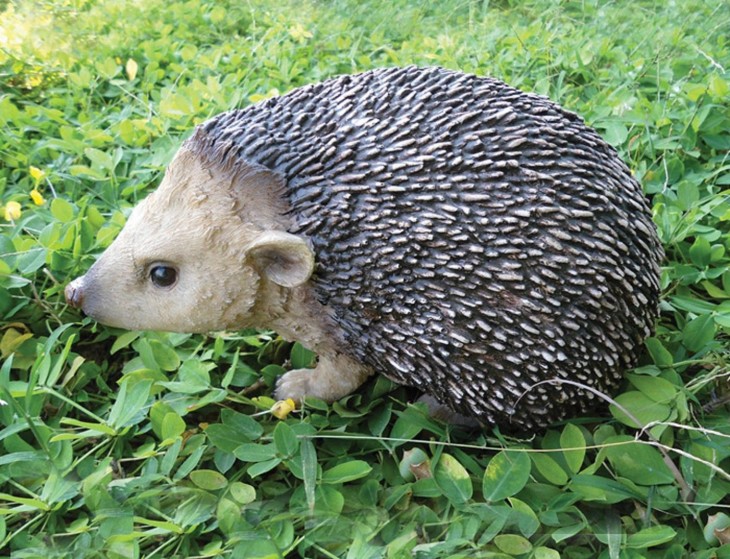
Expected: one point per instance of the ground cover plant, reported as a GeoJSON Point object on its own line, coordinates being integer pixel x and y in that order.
{"type": "Point", "coordinates": [126, 444]}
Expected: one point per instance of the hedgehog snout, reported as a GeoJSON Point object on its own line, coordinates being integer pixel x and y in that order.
{"type": "Point", "coordinates": [74, 293]}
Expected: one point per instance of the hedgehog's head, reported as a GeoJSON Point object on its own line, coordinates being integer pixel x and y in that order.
{"type": "Point", "coordinates": [206, 251]}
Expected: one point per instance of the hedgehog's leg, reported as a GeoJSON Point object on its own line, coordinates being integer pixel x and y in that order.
{"type": "Point", "coordinates": [444, 413]}
{"type": "Point", "coordinates": [334, 376]}
{"type": "Point", "coordinates": [300, 317]}
{"type": "Point", "coordinates": [287, 303]}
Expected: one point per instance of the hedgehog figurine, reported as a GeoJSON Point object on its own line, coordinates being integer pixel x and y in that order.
{"type": "Point", "coordinates": [451, 232]}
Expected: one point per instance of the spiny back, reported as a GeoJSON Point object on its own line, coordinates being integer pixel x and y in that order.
{"type": "Point", "coordinates": [472, 239]}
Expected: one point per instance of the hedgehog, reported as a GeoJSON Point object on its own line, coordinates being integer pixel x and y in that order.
{"type": "Point", "coordinates": [448, 231]}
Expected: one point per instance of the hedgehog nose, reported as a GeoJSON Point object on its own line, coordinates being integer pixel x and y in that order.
{"type": "Point", "coordinates": [74, 293]}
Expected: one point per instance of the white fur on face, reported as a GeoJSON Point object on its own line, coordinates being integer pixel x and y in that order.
{"type": "Point", "coordinates": [187, 224]}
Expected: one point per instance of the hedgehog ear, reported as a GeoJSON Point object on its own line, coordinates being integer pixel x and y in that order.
{"type": "Point", "coordinates": [284, 258]}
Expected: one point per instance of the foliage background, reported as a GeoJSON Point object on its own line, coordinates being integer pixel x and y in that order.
{"type": "Point", "coordinates": [120, 445]}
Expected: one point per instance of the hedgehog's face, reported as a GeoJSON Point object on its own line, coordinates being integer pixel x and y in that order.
{"type": "Point", "coordinates": [188, 260]}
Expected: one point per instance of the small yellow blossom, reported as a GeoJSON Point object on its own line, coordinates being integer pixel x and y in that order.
{"type": "Point", "coordinates": [282, 408]}
{"type": "Point", "coordinates": [37, 174]}
{"type": "Point", "coordinates": [299, 33]}
{"type": "Point", "coordinates": [37, 197]}
{"type": "Point", "coordinates": [32, 81]}
{"type": "Point", "coordinates": [131, 69]}
{"type": "Point", "coordinates": [12, 211]}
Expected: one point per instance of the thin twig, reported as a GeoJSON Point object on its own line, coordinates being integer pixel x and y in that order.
{"type": "Point", "coordinates": [44, 305]}
{"type": "Point", "coordinates": [255, 387]}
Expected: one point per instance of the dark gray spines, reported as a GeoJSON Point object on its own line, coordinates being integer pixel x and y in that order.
{"type": "Point", "coordinates": [472, 239]}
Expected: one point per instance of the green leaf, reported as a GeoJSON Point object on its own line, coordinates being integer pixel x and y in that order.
{"type": "Point", "coordinates": [636, 461]}
{"type": "Point", "coordinates": [513, 544]}
{"type": "Point", "coordinates": [407, 426]}
{"type": "Point", "coordinates": [209, 480]}
{"type": "Point", "coordinates": [723, 319]}
{"type": "Point", "coordinates": [414, 458]}
{"type": "Point", "coordinates": [31, 260]}
{"type": "Point", "coordinates": [301, 357]}
{"type": "Point", "coordinates": [309, 471]}
{"type": "Point", "coordinates": [256, 549]}
{"type": "Point", "coordinates": [698, 332]}
{"type": "Point", "coordinates": [100, 159]}
{"type": "Point", "coordinates": [260, 468]}
{"type": "Point", "coordinates": [506, 475]}
{"type": "Point", "coordinates": [58, 489]}
{"type": "Point", "coordinates": [568, 531]}
{"type": "Point", "coordinates": [347, 471]}
{"type": "Point", "coordinates": [224, 437]}
{"type": "Point", "coordinates": [609, 531]}
{"type": "Point", "coordinates": [659, 354]}
{"type": "Point", "coordinates": [189, 464]}
{"type": "Point", "coordinates": [217, 15]}
{"type": "Point", "coordinates": [527, 520]}
{"type": "Point", "coordinates": [98, 427]}
{"type": "Point", "coordinates": [715, 293]}
{"type": "Point", "coordinates": [165, 356]}
{"type": "Point", "coordinates": [717, 524]}
{"type": "Point", "coordinates": [700, 252]}
{"type": "Point", "coordinates": [108, 68]}
{"type": "Point", "coordinates": [545, 553]}
{"type": "Point", "coordinates": [193, 377]}
{"type": "Point", "coordinates": [616, 133]}
{"type": "Point", "coordinates": [636, 406]}
{"type": "Point", "coordinates": [123, 340]}
{"type": "Point", "coordinates": [600, 489]}
{"type": "Point", "coordinates": [696, 306]}
{"type": "Point", "coordinates": [245, 426]}
{"type": "Point", "coordinates": [655, 388]}
{"type": "Point", "coordinates": [549, 468]}
{"type": "Point", "coordinates": [249, 452]}
{"type": "Point", "coordinates": [453, 479]}
{"type": "Point", "coordinates": [171, 456]}
{"type": "Point", "coordinates": [687, 194]}
{"type": "Point", "coordinates": [25, 502]}
{"type": "Point", "coordinates": [228, 514]}
{"type": "Point", "coordinates": [242, 493]}
{"type": "Point", "coordinates": [285, 440]}
{"type": "Point", "coordinates": [651, 537]}
{"type": "Point", "coordinates": [130, 405]}
{"type": "Point", "coordinates": [172, 426]}
{"type": "Point", "coordinates": [329, 500]}
{"type": "Point", "coordinates": [62, 210]}
{"type": "Point", "coordinates": [573, 444]}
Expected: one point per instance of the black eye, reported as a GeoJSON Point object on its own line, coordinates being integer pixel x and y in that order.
{"type": "Point", "coordinates": [163, 276]}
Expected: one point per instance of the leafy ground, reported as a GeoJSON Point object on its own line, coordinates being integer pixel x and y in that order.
{"type": "Point", "coordinates": [119, 444]}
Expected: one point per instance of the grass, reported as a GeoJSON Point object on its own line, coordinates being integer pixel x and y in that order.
{"type": "Point", "coordinates": [125, 445]}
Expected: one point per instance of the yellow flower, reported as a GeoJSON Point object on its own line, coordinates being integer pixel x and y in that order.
{"type": "Point", "coordinates": [282, 408]}
{"type": "Point", "coordinates": [37, 174]}
{"type": "Point", "coordinates": [37, 197]}
{"type": "Point", "coordinates": [131, 68]}
{"type": "Point", "coordinates": [12, 211]}
{"type": "Point", "coordinates": [298, 33]}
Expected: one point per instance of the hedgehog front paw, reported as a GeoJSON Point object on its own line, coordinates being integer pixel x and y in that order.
{"type": "Point", "coordinates": [332, 379]}
{"type": "Point", "coordinates": [296, 384]}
